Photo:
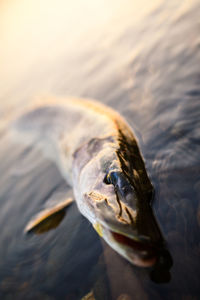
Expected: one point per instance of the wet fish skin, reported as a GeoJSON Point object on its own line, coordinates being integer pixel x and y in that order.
{"type": "Point", "coordinates": [119, 197]}
{"type": "Point", "coordinates": [98, 155]}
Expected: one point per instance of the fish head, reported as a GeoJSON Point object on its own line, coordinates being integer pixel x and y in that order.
{"type": "Point", "coordinates": [112, 204]}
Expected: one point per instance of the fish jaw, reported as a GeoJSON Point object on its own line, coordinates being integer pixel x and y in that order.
{"type": "Point", "coordinates": [126, 235]}
{"type": "Point", "coordinates": [122, 218]}
{"type": "Point", "coordinates": [136, 238]}
{"type": "Point", "coordinates": [137, 251]}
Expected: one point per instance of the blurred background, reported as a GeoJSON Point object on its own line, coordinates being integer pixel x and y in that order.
{"type": "Point", "coordinates": [142, 58]}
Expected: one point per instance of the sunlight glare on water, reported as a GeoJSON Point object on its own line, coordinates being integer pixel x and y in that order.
{"type": "Point", "coordinates": [35, 33]}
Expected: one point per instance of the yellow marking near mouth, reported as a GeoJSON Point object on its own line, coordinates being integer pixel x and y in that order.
{"type": "Point", "coordinates": [98, 229]}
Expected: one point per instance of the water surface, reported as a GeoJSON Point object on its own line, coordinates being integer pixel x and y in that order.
{"type": "Point", "coordinates": [143, 60]}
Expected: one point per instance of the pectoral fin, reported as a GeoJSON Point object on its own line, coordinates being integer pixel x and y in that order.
{"type": "Point", "coordinates": [49, 218]}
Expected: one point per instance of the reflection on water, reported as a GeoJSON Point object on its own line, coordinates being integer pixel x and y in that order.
{"type": "Point", "coordinates": [141, 59]}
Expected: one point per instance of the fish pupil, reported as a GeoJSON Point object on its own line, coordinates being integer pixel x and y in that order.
{"type": "Point", "coordinates": [111, 178]}
{"type": "Point", "coordinates": [106, 179]}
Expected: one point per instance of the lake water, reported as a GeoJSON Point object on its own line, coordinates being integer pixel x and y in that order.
{"type": "Point", "coordinates": [143, 59]}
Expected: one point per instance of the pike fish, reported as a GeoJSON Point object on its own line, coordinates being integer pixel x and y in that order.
{"type": "Point", "coordinates": [97, 153]}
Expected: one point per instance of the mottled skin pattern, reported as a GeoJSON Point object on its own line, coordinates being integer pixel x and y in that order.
{"type": "Point", "coordinates": [98, 154]}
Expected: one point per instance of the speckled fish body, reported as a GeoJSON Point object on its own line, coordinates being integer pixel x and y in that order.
{"type": "Point", "coordinates": [98, 155]}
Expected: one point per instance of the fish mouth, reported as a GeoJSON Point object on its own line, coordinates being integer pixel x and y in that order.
{"type": "Point", "coordinates": [139, 252]}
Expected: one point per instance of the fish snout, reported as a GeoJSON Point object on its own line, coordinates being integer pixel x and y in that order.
{"type": "Point", "coordinates": [139, 250]}
{"type": "Point", "coordinates": [133, 233]}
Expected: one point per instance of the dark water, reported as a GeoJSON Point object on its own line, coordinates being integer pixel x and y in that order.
{"type": "Point", "coordinates": [143, 60]}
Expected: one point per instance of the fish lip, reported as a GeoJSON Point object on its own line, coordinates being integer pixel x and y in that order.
{"type": "Point", "coordinates": [135, 243]}
{"type": "Point", "coordinates": [137, 249]}
{"type": "Point", "coordinates": [141, 253]}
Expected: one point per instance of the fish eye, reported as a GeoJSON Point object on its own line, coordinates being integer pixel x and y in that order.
{"type": "Point", "coordinates": [119, 181]}
{"type": "Point", "coordinates": [112, 177]}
